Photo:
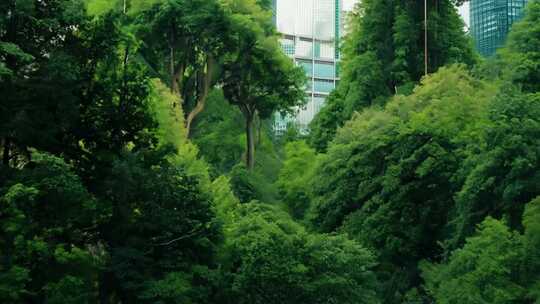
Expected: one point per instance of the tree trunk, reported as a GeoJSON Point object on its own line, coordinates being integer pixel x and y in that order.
{"type": "Point", "coordinates": [259, 133]}
{"type": "Point", "coordinates": [172, 40]}
{"type": "Point", "coordinates": [176, 78]}
{"type": "Point", "coordinates": [250, 142]}
{"type": "Point", "coordinates": [203, 95]}
{"type": "Point", "coordinates": [171, 67]}
{"type": "Point", "coordinates": [176, 71]}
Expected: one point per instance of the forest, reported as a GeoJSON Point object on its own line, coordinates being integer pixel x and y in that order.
{"type": "Point", "coordinates": [138, 162]}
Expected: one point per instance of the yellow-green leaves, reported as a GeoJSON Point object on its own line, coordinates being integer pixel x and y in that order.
{"type": "Point", "coordinates": [169, 115]}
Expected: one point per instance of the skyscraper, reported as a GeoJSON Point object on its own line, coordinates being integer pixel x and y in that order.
{"type": "Point", "coordinates": [491, 20]}
{"type": "Point", "coordinates": [311, 32]}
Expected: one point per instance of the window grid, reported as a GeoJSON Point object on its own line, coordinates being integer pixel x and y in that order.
{"type": "Point", "coordinates": [491, 21]}
{"type": "Point", "coordinates": [311, 30]}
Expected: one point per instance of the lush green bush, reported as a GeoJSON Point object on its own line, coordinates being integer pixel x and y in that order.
{"type": "Point", "coordinates": [503, 173]}
{"type": "Point", "coordinates": [401, 167]}
{"type": "Point", "coordinates": [219, 133]}
{"type": "Point", "coordinates": [274, 260]}
{"type": "Point", "coordinates": [295, 177]}
{"type": "Point", "coordinates": [48, 220]}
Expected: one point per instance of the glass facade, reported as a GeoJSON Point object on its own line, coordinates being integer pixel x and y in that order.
{"type": "Point", "coordinates": [311, 32]}
{"type": "Point", "coordinates": [491, 20]}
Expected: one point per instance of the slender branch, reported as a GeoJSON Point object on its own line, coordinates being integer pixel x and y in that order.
{"type": "Point", "coordinates": [201, 100]}
{"type": "Point", "coordinates": [190, 234]}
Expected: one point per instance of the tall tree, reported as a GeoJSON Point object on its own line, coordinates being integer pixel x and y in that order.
{"type": "Point", "coordinates": [390, 176]}
{"type": "Point", "coordinates": [183, 42]}
{"type": "Point", "coordinates": [384, 54]}
{"type": "Point", "coordinates": [76, 87]}
{"type": "Point", "coordinates": [258, 78]}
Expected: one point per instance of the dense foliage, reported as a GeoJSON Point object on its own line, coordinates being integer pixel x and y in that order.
{"type": "Point", "coordinates": [273, 260]}
{"type": "Point", "coordinates": [384, 54]}
{"type": "Point", "coordinates": [128, 130]}
{"type": "Point", "coordinates": [413, 179]}
{"type": "Point", "coordinates": [103, 198]}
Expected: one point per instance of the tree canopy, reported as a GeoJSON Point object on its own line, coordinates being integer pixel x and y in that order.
{"type": "Point", "coordinates": [128, 132]}
{"type": "Point", "coordinates": [384, 54]}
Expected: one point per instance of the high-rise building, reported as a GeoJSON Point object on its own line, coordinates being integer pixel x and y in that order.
{"type": "Point", "coordinates": [311, 32]}
{"type": "Point", "coordinates": [491, 21]}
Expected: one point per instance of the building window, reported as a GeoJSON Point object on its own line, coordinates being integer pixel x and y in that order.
{"type": "Point", "coordinates": [323, 85]}
{"type": "Point", "coordinates": [324, 70]}
{"type": "Point", "coordinates": [304, 48]}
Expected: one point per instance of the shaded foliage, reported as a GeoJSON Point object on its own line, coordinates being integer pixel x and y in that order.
{"type": "Point", "coordinates": [496, 265]}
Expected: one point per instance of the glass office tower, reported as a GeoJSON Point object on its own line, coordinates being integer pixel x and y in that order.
{"type": "Point", "coordinates": [311, 32]}
{"type": "Point", "coordinates": [491, 20]}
